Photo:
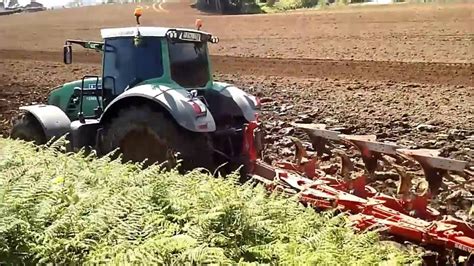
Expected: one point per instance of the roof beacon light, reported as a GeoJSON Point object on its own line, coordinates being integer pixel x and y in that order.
{"type": "Point", "coordinates": [138, 13]}
{"type": "Point", "coordinates": [198, 24]}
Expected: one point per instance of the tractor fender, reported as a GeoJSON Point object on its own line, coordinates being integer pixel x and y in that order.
{"type": "Point", "coordinates": [53, 120]}
{"type": "Point", "coordinates": [246, 102]}
{"type": "Point", "coordinates": [178, 103]}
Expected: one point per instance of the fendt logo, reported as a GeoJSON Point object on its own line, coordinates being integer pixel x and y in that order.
{"type": "Point", "coordinates": [92, 86]}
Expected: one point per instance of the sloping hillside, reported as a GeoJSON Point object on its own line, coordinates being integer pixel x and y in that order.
{"type": "Point", "coordinates": [428, 33]}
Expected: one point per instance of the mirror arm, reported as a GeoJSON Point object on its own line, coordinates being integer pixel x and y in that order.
{"type": "Point", "coordinates": [86, 44]}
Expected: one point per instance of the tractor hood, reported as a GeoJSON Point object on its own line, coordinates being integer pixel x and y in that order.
{"type": "Point", "coordinates": [63, 97]}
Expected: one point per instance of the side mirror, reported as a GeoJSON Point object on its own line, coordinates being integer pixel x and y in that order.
{"type": "Point", "coordinates": [67, 52]}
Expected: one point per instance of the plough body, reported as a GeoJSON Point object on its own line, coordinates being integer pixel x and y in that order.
{"type": "Point", "coordinates": [407, 217]}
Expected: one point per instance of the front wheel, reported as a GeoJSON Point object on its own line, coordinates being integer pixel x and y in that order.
{"type": "Point", "coordinates": [27, 128]}
{"type": "Point", "coordinates": [141, 134]}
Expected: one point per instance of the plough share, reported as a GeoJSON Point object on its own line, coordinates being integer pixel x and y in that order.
{"type": "Point", "coordinates": [406, 216]}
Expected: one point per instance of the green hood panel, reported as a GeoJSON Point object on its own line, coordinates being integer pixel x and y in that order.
{"type": "Point", "coordinates": [63, 98]}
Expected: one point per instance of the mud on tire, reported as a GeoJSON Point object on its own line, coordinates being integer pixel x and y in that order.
{"type": "Point", "coordinates": [27, 128]}
{"type": "Point", "coordinates": [142, 133]}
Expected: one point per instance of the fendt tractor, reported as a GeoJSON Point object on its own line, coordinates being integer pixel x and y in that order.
{"type": "Point", "coordinates": [156, 98]}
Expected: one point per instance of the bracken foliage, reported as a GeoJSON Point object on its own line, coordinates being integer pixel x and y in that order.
{"type": "Point", "coordinates": [70, 208]}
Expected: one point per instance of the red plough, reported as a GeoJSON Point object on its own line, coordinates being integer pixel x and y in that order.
{"type": "Point", "coordinates": [407, 217]}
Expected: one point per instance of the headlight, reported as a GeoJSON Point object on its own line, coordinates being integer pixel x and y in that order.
{"type": "Point", "coordinates": [214, 39]}
{"type": "Point", "coordinates": [172, 34]}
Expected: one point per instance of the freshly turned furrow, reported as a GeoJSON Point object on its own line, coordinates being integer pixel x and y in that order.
{"type": "Point", "coordinates": [461, 74]}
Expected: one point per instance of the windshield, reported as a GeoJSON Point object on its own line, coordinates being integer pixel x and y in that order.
{"type": "Point", "coordinates": [189, 64]}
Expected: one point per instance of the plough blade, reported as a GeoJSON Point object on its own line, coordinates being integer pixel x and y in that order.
{"type": "Point", "coordinates": [431, 158]}
{"type": "Point", "coordinates": [319, 136]}
{"type": "Point", "coordinates": [434, 167]}
{"type": "Point", "coordinates": [370, 150]}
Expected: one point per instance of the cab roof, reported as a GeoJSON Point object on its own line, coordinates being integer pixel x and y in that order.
{"type": "Point", "coordinates": [144, 31]}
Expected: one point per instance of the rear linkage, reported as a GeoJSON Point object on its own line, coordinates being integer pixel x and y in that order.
{"type": "Point", "coordinates": [407, 217]}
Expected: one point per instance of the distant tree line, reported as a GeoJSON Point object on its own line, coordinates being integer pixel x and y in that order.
{"type": "Point", "coordinates": [77, 3]}
{"type": "Point", "coordinates": [126, 1]}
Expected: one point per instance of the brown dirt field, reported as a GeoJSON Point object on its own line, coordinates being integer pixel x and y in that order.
{"type": "Point", "coordinates": [418, 72]}
{"type": "Point", "coordinates": [373, 70]}
{"type": "Point", "coordinates": [392, 110]}
{"type": "Point", "coordinates": [427, 33]}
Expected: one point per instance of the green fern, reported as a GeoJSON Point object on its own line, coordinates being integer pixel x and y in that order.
{"type": "Point", "coordinates": [62, 208]}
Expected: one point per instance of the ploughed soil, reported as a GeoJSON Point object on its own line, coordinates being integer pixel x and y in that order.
{"type": "Point", "coordinates": [414, 33]}
{"type": "Point", "coordinates": [404, 72]}
{"type": "Point", "coordinates": [411, 114]}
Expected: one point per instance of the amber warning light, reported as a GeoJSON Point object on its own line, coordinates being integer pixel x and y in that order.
{"type": "Point", "coordinates": [138, 13]}
{"type": "Point", "coordinates": [198, 24]}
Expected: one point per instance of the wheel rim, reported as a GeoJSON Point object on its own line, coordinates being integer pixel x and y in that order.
{"type": "Point", "coordinates": [143, 144]}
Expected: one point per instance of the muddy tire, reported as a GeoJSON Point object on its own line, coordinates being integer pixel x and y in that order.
{"type": "Point", "coordinates": [27, 128]}
{"type": "Point", "coordinates": [141, 133]}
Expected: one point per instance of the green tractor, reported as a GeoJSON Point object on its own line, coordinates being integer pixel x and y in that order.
{"type": "Point", "coordinates": [155, 98]}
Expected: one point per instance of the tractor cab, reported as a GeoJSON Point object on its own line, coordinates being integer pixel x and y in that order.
{"type": "Point", "coordinates": [133, 56]}
{"type": "Point", "coordinates": [178, 57]}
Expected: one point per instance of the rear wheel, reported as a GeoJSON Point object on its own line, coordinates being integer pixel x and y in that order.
{"type": "Point", "coordinates": [141, 133]}
{"type": "Point", "coordinates": [27, 128]}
